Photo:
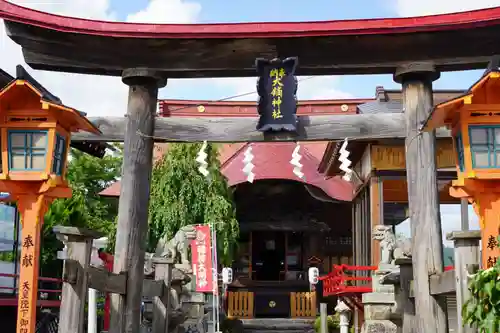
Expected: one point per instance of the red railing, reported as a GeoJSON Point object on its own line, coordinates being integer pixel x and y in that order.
{"type": "Point", "coordinates": [343, 280]}
{"type": "Point", "coordinates": [53, 295]}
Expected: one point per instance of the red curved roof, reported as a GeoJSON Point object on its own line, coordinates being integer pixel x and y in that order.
{"type": "Point", "coordinates": [20, 14]}
{"type": "Point", "coordinates": [373, 46]}
{"type": "Point", "coordinates": [272, 161]}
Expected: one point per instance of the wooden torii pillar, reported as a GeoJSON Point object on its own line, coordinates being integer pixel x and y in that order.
{"type": "Point", "coordinates": [423, 195]}
{"type": "Point", "coordinates": [134, 195]}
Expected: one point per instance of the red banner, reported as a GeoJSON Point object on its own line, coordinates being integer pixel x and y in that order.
{"type": "Point", "coordinates": [201, 254]}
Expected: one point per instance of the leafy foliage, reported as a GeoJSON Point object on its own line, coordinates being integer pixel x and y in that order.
{"type": "Point", "coordinates": [332, 322]}
{"type": "Point", "coordinates": [87, 176]}
{"type": "Point", "coordinates": [180, 196]}
{"type": "Point", "coordinates": [483, 308]}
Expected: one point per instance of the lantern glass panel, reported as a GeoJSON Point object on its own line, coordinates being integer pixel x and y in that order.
{"type": "Point", "coordinates": [59, 155]}
{"type": "Point", "coordinates": [27, 150]}
{"type": "Point", "coordinates": [485, 146]}
{"type": "Point", "coordinates": [479, 136]}
{"type": "Point", "coordinates": [497, 136]}
{"type": "Point", "coordinates": [481, 159]}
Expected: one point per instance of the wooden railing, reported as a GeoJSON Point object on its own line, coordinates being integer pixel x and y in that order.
{"type": "Point", "coordinates": [240, 304]}
{"type": "Point", "coordinates": [303, 304]}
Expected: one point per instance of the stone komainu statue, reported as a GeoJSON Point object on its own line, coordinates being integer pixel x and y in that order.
{"type": "Point", "coordinates": [391, 247]}
{"type": "Point", "coordinates": [177, 246]}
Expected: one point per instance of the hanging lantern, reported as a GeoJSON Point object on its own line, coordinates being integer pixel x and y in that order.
{"type": "Point", "coordinates": [277, 89]}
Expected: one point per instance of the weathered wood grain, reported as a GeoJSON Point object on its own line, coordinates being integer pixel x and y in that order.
{"type": "Point", "coordinates": [226, 56]}
{"type": "Point", "coordinates": [74, 292]}
{"type": "Point", "coordinates": [443, 283]}
{"type": "Point", "coordinates": [405, 277]}
{"type": "Point", "coordinates": [102, 280]}
{"type": "Point", "coordinates": [467, 253]}
{"type": "Point", "coordinates": [161, 303]}
{"type": "Point", "coordinates": [430, 311]}
{"type": "Point", "coordinates": [134, 202]}
{"type": "Point", "coordinates": [233, 129]}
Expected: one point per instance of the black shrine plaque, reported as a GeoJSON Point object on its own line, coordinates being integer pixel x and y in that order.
{"type": "Point", "coordinates": [277, 89]}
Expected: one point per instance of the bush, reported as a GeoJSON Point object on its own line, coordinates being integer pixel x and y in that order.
{"type": "Point", "coordinates": [332, 322]}
{"type": "Point", "coordinates": [483, 307]}
{"type": "Point", "coordinates": [231, 325]}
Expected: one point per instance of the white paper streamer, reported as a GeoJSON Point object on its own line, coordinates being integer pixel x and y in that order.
{"type": "Point", "coordinates": [247, 164]}
{"type": "Point", "coordinates": [345, 162]}
{"type": "Point", "coordinates": [201, 158]}
{"type": "Point", "coordinates": [295, 161]}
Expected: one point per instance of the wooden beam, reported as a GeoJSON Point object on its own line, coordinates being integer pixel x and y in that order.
{"type": "Point", "coordinates": [467, 258]}
{"type": "Point", "coordinates": [430, 311]}
{"type": "Point", "coordinates": [376, 215]}
{"type": "Point", "coordinates": [234, 129]}
{"type": "Point", "coordinates": [442, 283]}
{"type": "Point", "coordinates": [102, 280]}
{"type": "Point", "coordinates": [75, 286]}
{"type": "Point", "coordinates": [408, 305]}
{"type": "Point", "coordinates": [161, 303]}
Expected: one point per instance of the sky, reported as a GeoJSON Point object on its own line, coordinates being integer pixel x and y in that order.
{"type": "Point", "coordinates": [450, 221]}
{"type": "Point", "coordinates": [107, 96]}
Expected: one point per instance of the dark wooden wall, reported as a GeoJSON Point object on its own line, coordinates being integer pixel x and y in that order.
{"type": "Point", "coordinates": [362, 228]}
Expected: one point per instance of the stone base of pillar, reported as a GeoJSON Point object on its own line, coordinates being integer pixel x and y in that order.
{"type": "Point", "coordinates": [380, 326]}
{"type": "Point", "coordinates": [194, 305]}
{"type": "Point", "coordinates": [380, 307]}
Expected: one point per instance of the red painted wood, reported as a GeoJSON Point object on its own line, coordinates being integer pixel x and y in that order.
{"type": "Point", "coordinates": [108, 260]}
{"type": "Point", "coordinates": [336, 282]}
{"type": "Point", "coordinates": [189, 108]}
{"type": "Point", "coordinates": [483, 17]}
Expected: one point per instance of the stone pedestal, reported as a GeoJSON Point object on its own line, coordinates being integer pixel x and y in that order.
{"type": "Point", "coordinates": [194, 305]}
{"type": "Point", "coordinates": [380, 306]}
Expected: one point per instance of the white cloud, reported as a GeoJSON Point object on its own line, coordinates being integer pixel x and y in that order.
{"type": "Point", "coordinates": [107, 96]}
{"type": "Point", "coordinates": [96, 95]}
{"type": "Point", "coordinates": [169, 11]}
{"type": "Point", "coordinates": [431, 7]}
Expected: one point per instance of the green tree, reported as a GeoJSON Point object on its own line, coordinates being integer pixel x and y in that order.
{"type": "Point", "coordinates": [180, 196]}
{"type": "Point", "coordinates": [87, 176]}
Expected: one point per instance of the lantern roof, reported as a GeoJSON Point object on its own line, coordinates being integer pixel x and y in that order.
{"type": "Point", "coordinates": [8, 82]}
{"type": "Point", "coordinates": [48, 100]}
{"type": "Point", "coordinates": [442, 114]}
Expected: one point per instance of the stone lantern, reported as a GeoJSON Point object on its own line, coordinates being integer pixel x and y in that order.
{"type": "Point", "coordinates": [474, 121]}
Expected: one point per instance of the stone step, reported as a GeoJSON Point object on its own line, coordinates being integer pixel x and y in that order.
{"type": "Point", "coordinates": [277, 325]}
{"type": "Point", "coordinates": [278, 331]}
